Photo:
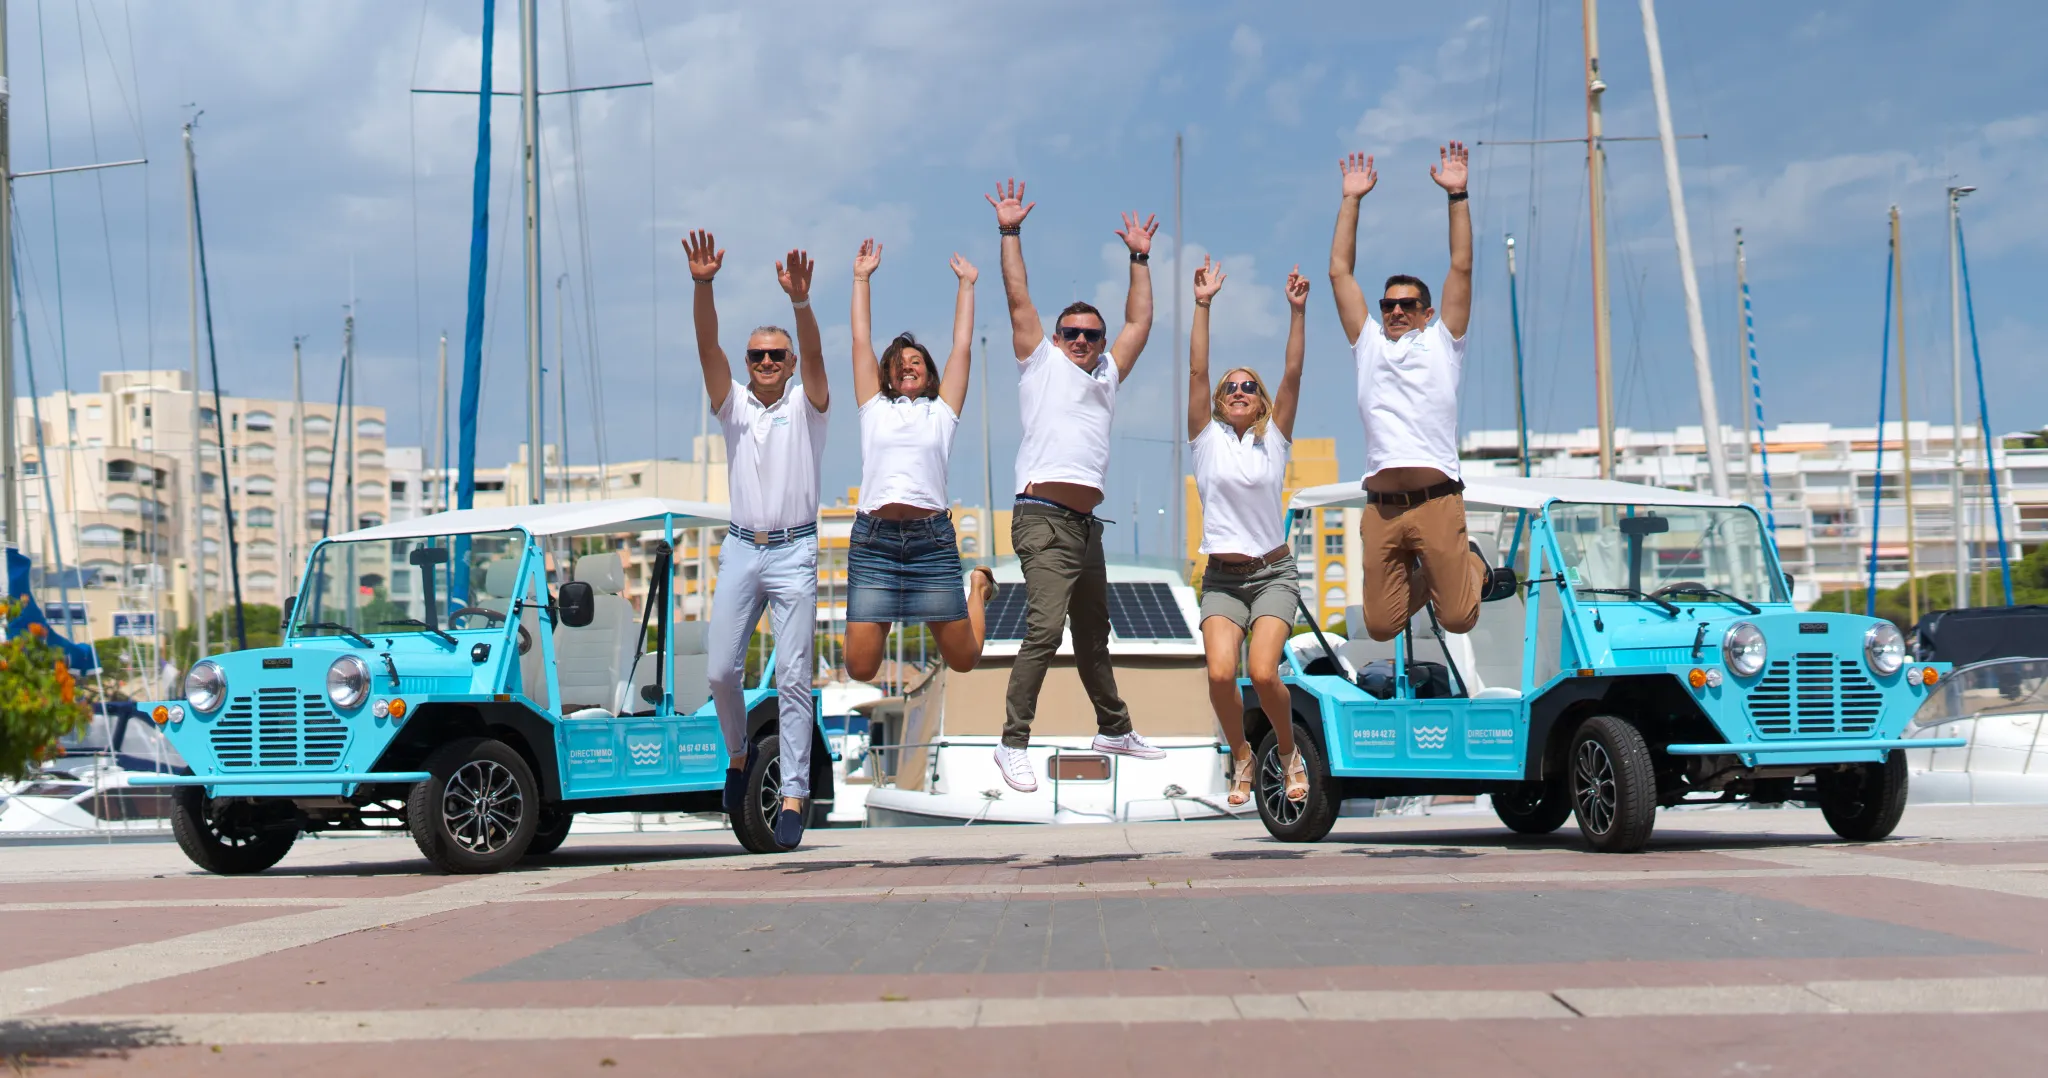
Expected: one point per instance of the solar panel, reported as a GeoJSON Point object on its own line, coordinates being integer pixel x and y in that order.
{"type": "Point", "coordinates": [1145, 612]}
{"type": "Point", "coordinates": [1006, 614]}
{"type": "Point", "coordinates": [1136, 612]}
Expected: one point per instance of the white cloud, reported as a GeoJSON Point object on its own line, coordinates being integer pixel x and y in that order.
{"type": "Point", "coordinates": [1247, 59]}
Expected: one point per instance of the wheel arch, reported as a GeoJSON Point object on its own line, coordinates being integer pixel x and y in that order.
{"type": "Point", "coordinates": [1658, 705]}
{"type": "Point", "coordinates": [431, 725]}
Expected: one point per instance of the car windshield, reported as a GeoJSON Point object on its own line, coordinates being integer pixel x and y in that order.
{"type": "Point", "coordinates": [1693, 554]}
{"type": "Point", "coordinates": [390, 586]}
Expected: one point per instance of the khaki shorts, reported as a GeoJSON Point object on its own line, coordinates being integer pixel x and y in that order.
{"type": "Point", "coordinates": [1271, 592]}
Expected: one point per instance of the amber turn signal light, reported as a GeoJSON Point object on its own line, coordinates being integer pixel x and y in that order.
{"type": "Point", "coordinates": [1698, 678]}
{"type": "Point", "coordinates": [160, 715]}
{"type": "Point", "coordinates": [397, 708]}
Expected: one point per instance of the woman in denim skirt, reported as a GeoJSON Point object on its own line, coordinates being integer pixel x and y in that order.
{"type": "Point", "coordinates": [903, 562]}
{"type": "Point", "coordinates": [1241, 435]}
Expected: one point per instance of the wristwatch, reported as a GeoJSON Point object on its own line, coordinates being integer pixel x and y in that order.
{"type": "Point", "coordinates": [1141, 257]}
{"type": "Point", "coordinates": [1460, 196]}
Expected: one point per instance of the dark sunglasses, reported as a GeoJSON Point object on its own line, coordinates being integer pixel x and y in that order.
{"type": "Point", "coordinates": [1078, 333]}
{"type": "Point", "coordinates": [771, 355]}
{"type": "Point", "coordinates": [1249, 386]}
{"type": "Point", "coordinates": [1406, 303]}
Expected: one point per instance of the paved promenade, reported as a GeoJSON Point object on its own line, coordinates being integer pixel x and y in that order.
{"type": "Point", "coordinates": [1742, 943]}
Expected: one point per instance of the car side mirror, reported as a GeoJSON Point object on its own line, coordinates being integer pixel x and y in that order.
{"type": "Point", "coordinates": [1788, 584]}
{"type": "Point", "coordinates": [284, 621]}
{"type": "Point", "coordinates": [1501, 583]}
{"type": "Point", "coordinates": [577, 603]}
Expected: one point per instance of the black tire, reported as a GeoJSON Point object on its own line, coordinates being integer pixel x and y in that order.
{"type": "Point", "coordinates": [754, 826]}
{"type": "Point", "coordinates": [1534, 808]}
{"type": "Point", "coordinates": [1309, 819]}
{"type": "Point", "coordinates": [480, 810]}
{"type": "Point", "coordinates": [1614, 786]}
{"type": "Point", "coordinates": [238, 839]}
{"type": "Point", "coordinates": [551, 831]}
{"type": "Point", "coordinates": [1863, 803]}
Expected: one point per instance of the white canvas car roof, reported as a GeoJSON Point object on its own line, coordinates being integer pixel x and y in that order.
{"type": "Point", "coordinates": [1515, 492]}
{"type": "Point", "coordinates": [567, 518]}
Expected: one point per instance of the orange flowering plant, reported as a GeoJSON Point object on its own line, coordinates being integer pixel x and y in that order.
{"type": "Point", "coordinates": [38, 699]}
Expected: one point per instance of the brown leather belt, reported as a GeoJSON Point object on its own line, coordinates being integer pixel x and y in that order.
{"type": "Point", "coordinates": [1245, 568]}
{"type": "Point", "coordinates": [1410, 498]}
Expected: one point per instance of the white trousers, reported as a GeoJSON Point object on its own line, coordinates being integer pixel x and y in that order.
{"type": "Point", "coordinates": [784, 580]}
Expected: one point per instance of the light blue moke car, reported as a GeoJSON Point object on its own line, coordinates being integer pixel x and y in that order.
{"type": "Point", "coordinates": [1639, 648]}
{"type": "Point", "coordinates": [431, 678]}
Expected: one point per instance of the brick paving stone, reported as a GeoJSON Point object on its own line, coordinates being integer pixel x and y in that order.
{"type": "Point", "coordinates": [1962, 853]}
{"type": "Point", "coordinates": [36, 936]}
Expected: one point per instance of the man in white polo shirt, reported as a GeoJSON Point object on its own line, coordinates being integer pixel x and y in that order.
{"type": "Point", "coordinates": [1413, 529]}
{"type": "Point", "coordinates": [774, 445]}
{"type": "Point", "coordinates": [1067, 395]}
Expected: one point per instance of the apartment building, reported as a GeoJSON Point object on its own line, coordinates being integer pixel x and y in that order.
{"type": "Point", "coordinates": [107, 491]}
{"type": "Point", "coordinates": [1821, 479]}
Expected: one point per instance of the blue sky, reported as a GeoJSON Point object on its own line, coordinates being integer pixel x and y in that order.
{"type": "Point", "coordinates": [818, 124]}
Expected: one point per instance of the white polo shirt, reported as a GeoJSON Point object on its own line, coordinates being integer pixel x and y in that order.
{"type": "Point", "coordinates": [1067, 413]}
{"type": "Point", "coordinates": [773, 454]}
{"type": "Point", "coordinates": [1239, 480]}
{"type": "Point", "coordinates": [1408, 397]}
{"type": "Point", "coordinates": [904, 447]}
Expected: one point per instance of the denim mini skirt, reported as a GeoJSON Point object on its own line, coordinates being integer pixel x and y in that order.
{"type": "Point", "coordinates": [904, 571]}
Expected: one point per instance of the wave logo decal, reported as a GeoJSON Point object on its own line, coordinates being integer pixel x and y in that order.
{"type": "Point", "coordinates": [1431, 738]}
{"type": "Point", "coordinates": [646, 752]}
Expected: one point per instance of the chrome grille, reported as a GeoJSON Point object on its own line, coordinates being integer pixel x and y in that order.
{"type": "Point", "coordinates": [1815, 694]}
{"type": "Point", "coordinates": [279, 727]}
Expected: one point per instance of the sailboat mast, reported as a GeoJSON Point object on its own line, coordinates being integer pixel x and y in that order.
{"type": "Point", "coordinates": [296, 471]}
{"type": "Point", "coordinates": [1695, 322]}
{"type": "Point", "coordinates": [1596, 184]}
{"type": "Point", "coordinates": [441, 428]}
{"type": "Point", "coordinates": [8, 514]}
{"type": "Point", "coordinates": [1521, 399]}
{"type": "Point", "coordinates": [529, 137]}
{"type": "Point", "coordinates": [562, 389]}
{"type": "Point", "coordinates": [1905, 420]}
{"type": "Point", "coordinates": [195, 542]}
{"type": "Point", "coordinates": [1177, 431]}
{"type": "Point", "coordinates": [1955, 343]}
{"type": "Point", "coordinates": [1743, 334]}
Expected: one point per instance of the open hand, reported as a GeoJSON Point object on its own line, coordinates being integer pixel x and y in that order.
{"type": "Point", "coordinates": [867, 261]}
{"type": "Point", "coordinates": [1451, 176]}
{"type": "Point", "coordinates": [1011, 209]}
{"type": "Point", "coordinates": [704, 255]}
{"type": "Point", "coordinates": [1297, 289]}
{"type": "Point", "coordinates": [1359, 175]}
{"type": "Point", "coordinates": [1208, 279]}
{"type": "Point", "coordinates": [794, 273]}
{"type": "Point", "coordinates": [964, 270]}
{"type": "Point", "coordinates": [1137, 235]}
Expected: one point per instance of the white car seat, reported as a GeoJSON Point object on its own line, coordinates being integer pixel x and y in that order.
{"type": "Point", "coordinates": [1495, 666]}
{"type": "Point", "coordinates": [589, 659]}
{"type": "Point", "coordinates": [500, 576]}
{"type": "Point", "coordinates": [692, 685]}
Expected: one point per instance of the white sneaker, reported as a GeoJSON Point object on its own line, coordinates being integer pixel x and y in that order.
{"type": "Point", "coordinates": [1129, 745]}
{"type": "Point", "coordinates": [1015, 764]}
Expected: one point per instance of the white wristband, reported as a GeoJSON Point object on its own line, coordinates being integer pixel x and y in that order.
{"type": "Point", "coordinates": [800, 304]}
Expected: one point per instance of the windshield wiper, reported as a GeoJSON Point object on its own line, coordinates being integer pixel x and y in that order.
{"type": "Point", "coordinates": [1701, 589]}
{"type": "Point", "coordinates": [452, 642]}
{"type": "Point", "coordinates": [340, 628]}
{"type": "Point", "coordinates": [1635, 593]}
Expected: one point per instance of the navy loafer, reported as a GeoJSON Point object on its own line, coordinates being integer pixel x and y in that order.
{"type": "Point", "coordinates": [789, 828]}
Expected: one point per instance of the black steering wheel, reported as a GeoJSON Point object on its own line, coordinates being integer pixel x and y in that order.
{"type": "Point", "coordinates": [493, 617]}
{"type": "Point", "coordinates": [1678, 586]}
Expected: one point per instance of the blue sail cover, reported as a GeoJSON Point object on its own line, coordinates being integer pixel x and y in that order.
{"type": "Point", "coordinates": [79, 657]}
{"type": "Point", "coordinates": [473, 327]}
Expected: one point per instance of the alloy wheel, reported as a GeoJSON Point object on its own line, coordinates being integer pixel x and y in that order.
{"type": "Point", "coordinates": [482, 806]}
{"type": "Point", "coordinates": [1593, 786]}
{"type": "Point", "coordinates": [1273, 791]}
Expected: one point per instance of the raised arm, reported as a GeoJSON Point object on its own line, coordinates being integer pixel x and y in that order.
{"type": "Point", "coordinates": [705, 260]}
{"type": "Point", "coordinates": [1359, 178]}
{"type": "Point", "coordinates": [867, 371]}
{"type": "Point", "coordinates": [1026, 331]}
{"type": "Point", "coordinates": [953, 383]}
{"type": "Point", "coordinates": [1288, 397]}
{"type": "Point", "coordinates": [1456, 309]}
{"type": "Point", "coordinates": [1208, 280]}
{"type": "Point", "coordinates": [1130, 340]}
{"type": "Point", "coordinates": [794, 274]}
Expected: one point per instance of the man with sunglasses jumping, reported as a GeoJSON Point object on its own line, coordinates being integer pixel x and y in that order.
{"type": "Point", "coordinates": [1413, 530]}
{"type": "Point", "coordinates": [774, 445]}
{"type": "Point", "coordinates": [1067, 395]}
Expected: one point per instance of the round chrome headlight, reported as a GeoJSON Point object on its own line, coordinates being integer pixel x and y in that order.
{"type": "Point", "coordinates": [348, 681]}
{"type": "Point", "coordinates": [1884, 648]}
{"type": "Point", "coordinates": [206, 686]}
{"type": "Point", "coordinates": [1744, 650]}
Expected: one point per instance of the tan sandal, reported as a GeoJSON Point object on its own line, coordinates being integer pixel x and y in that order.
{"type": "Point", "coordinates": [1297, 777]}
{"type": "Point", "coordinates": [1241, 781]}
